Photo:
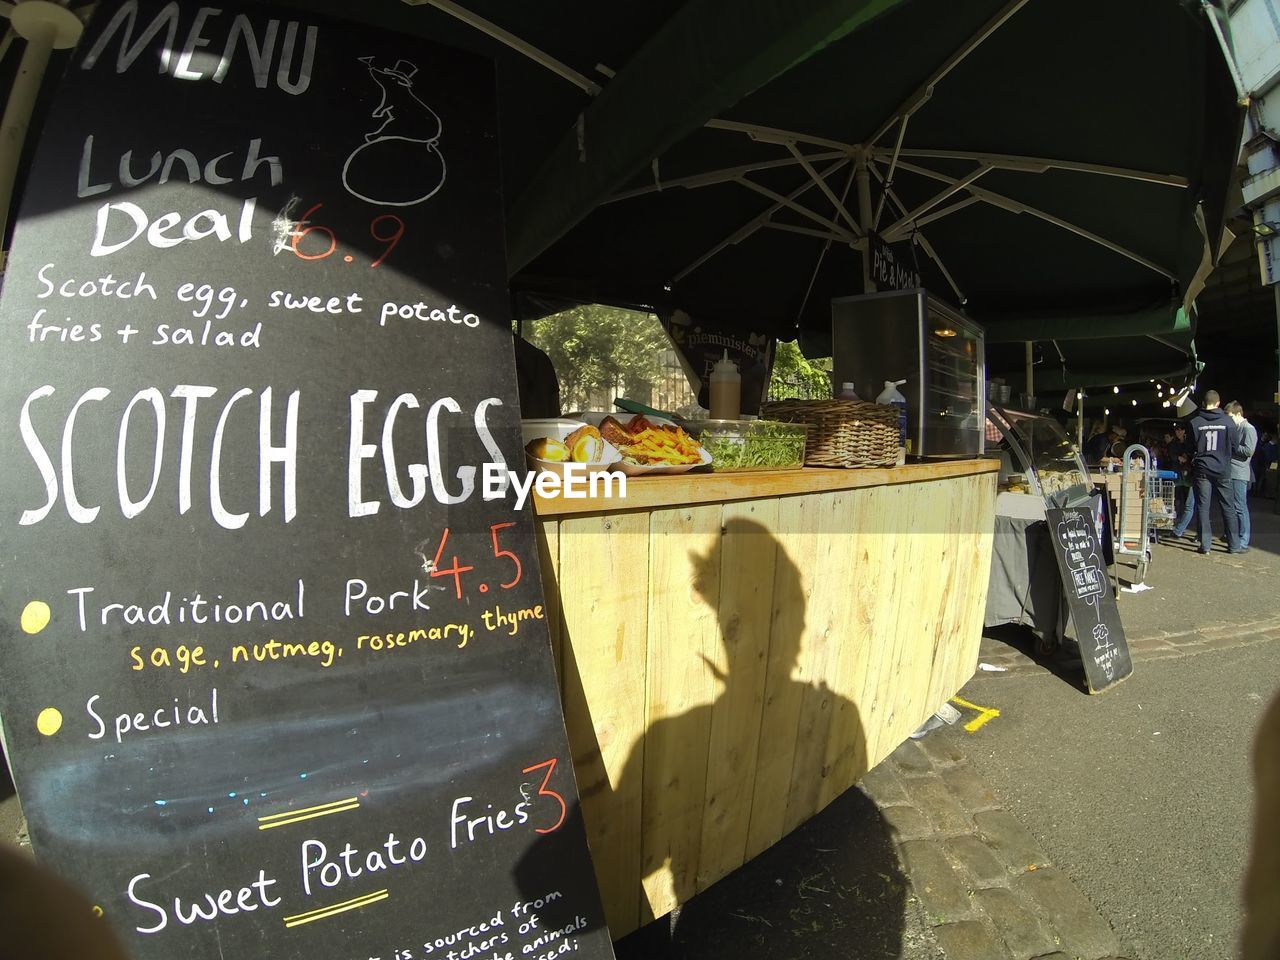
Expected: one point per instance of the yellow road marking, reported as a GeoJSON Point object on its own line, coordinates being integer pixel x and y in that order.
{"type": "Point", "coordinates": [319, 914]}
{"type": "Point", "coordinates": [984, 714]}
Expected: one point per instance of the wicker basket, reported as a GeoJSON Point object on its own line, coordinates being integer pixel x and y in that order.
{"type": "Point", "coordinates": [842, 433]}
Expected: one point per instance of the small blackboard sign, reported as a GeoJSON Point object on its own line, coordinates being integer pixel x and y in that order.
{"type": "Point", "coordinates": [1088, 590]}
{"type": "Point", "coordinates": [277, 680]}
{"type": "Point", "coordinates": [893, 268]}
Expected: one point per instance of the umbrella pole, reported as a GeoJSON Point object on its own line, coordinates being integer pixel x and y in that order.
{"type": "Point", "coordinates": [864, 219]}
{"type": "Point", "coordinates": [45, 27]}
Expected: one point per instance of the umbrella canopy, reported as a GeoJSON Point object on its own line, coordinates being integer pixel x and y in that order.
{"type": "Point", "coordinates": [1057, 169]}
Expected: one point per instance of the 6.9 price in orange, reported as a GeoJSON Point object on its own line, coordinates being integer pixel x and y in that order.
{"type": "Point", "coordinates": [321, 242]}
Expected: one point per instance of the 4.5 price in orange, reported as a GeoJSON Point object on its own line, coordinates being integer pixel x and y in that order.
{"type": "Point", "coordinates": [457, 568]}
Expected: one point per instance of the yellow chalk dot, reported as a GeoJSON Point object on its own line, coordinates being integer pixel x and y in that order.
{"type": "Point", "coordinates": [35, 616]}
{"type": "Point", "coordinates": [97, 910]}
{"type": "Point", "coordinates": [50, 721]}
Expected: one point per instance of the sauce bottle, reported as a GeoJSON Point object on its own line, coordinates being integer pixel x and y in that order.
{"type": "Point", "coordinates": [726, 390]}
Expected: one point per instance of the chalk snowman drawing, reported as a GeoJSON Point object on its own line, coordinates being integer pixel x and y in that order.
{"type": "Point", "coordinates": [400, 163]}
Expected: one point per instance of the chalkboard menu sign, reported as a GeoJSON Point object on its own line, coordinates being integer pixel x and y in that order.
{"type": "Point", "coordinates": [277, 680]}
{"type": "Point", "coordinates": [1103, 648]}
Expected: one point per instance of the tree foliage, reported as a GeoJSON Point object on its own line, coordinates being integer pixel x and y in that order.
{"type": "Point", "coordinates": [797, 377]}
{"type": "Point", "coordinates": [600, 352]}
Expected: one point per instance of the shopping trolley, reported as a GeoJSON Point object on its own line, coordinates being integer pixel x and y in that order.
{"type": "Point", "coordinates": [1136, 531]}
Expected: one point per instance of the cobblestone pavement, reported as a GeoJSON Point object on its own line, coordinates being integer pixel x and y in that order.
{"type": "Point", "coordinates": [1144, 644]}
{"type": "Point", "coordinates": [986, 888]}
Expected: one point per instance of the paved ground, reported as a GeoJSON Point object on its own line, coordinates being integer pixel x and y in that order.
{"type": "Point", "coordinates": [1140, 796]}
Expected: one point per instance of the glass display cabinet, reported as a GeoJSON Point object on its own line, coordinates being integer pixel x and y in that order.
{"type": "Point", "coordinates": [910, 335]}
{"type": "Point", "coordinates": [1037, 457]}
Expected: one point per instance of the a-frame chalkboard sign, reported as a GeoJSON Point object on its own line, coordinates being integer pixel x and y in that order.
{"type": "Point", "coordinates": [277, 680]}
{"type": "Point", "coordinates": [1094, 613]}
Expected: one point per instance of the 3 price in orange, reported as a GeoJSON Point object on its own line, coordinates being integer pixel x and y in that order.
{"type": "Point", "coordinates": [457, 569]}
{"type": "Point", "coordinates": [386, 228]}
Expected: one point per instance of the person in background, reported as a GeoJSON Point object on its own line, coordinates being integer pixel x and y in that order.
{"type": "Point", "coordinates": [1095, 447]}
{"type": "Point", "coordinates": [1241, 470]}
{"type": "Point", "coordinates": [1262, 464]}
{"type": "Point", "coordinates": [1178, 457]}
{"type": "Point", "coordinates": [1215, 436]}
{"type": "Point", "coordinates": [1105, 446]}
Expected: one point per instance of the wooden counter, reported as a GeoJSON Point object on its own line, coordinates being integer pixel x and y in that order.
{"type": "Point", "coordinates": [732, 661]}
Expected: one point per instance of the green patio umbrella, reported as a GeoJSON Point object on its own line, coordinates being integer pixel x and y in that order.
{"type": "Point", "coordinates": [1058, 169]}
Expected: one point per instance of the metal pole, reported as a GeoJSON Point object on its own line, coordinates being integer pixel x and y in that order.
{"type": "Point", "coordinates": [45, 27]}
{"type": "Point", "coordinates": [1080, 394]}
{"type": "Point", "coordinates": [1275, 287]}
{"type": "Point", "coordinates": [864, 219]}
{"type": "Point", "coordinates": [1031, 387]}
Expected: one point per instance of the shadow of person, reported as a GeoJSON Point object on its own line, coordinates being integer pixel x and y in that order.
{"type": "Point", "coordinates": [728, 789]}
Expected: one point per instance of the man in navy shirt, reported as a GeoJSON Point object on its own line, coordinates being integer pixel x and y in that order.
{"type": "Point", "coordinates": [1215, 436]}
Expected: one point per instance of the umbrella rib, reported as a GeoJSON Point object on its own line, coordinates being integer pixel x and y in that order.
{"type": "Point", "coordinates": [752, 225]}
{"type": "Point", "coordinates": [1016, 206]}
{"type": "Point", "coordinates": [725, 175]}
{"type": "Point", "coordinates": [826, 247]}
{"type": "Point", "coordinates": [893, 165]}
{"type": "Point", "coordinates": [1007, 161]}
{"type": "Point", "coordinates": [518, 44]}
{"type": "Point", "coordinates": [777, 135]}
{"type": "Point", "coordinates": [924, 241]}
{"type": "Point", "coordinates": [797, 207]}
{"type": "Point", "coordinates": [805, 231]}
{"type": "Point", "coordinates": [822, 185]}
{"type": "Point", "coordinates": [925, 90]}
{"type": "Point", "coordinates": [890, 235]}
{"type": "Point", "coordinates": [933, 201]}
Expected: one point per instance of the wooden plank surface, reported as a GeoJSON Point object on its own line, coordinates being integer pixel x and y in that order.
{"type": "Point", "coordinates": [794, 572]}
{"type": "Point", "coordinates": [829, 600]}
{"type": "Point", "coordinates": [918, 608]}
{"type": "Point", "coordinates": [730, 668]}
{"type": "Point", "coordinates": [649, 493]}
{"type": "Point", "coordinates": [747, 554]}
{"type": "Point", "coordinates": [605, 607]}
{"type": "Point", "coordinates": [684, 630]}
{"type": "Point", "coordinates": [888, 572]}
{"type": "Point", "coordinates": [860, 566]}
{"type": "Point", "coordinates": [548, 534]}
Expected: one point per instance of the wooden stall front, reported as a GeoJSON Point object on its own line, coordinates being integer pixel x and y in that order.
{"type": "Point", "coordinates": [737, 650]}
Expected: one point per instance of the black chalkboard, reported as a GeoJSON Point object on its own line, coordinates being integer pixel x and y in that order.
{"type": "Point", "coordinates": [270, 626]}
{"type": "Point", "coordinates": [1093, 606]}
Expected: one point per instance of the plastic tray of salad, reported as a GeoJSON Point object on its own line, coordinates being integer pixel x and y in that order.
{"type": "Point", "coordinates": [740, 445]}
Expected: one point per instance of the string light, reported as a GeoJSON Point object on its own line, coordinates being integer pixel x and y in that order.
{"type": "Point", "coordinates": [1115, 389]}
{"type": "Point", "coordinates": [1134, 402]}
{"type": "Point", "coordinates": [1106, 412]}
